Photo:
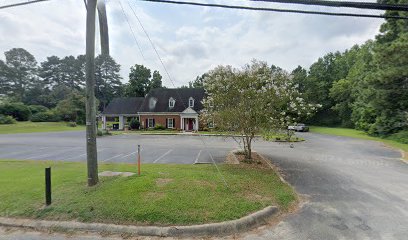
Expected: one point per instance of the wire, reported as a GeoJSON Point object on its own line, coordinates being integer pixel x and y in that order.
{"type": "Point", "coordinates": [275, 9]}
{"type": "Point", "coordinates": [177, 91]}
{"type": "Point", "coordinates": [23, 3]}
{"type": "Point", "coordinates": [131, 29]}
{"type": "Point", "coordinates": [361, 5]}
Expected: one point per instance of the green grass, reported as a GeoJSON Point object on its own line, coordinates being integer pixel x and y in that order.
{"type": "Point", "coordinates": [31, 127]}
{"type": "Point", "coordinates": [347, 132]}
{"type": "Point", "coordinates": [194, 194]}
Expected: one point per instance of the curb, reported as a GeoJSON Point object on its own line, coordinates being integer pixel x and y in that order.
{"type": "Point", "coordinates": [206, 230]}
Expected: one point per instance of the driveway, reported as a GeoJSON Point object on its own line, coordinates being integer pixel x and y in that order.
{"type": "Point", "coordinates": [355, 189]}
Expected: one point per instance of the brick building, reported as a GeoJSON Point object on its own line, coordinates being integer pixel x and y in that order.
{"type": "Point", "coordinates": [171, 108]}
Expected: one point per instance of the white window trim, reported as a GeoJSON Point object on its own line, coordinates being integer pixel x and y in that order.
{"type": "Point", "coordinates": [189, 101]}
{"type": "Point", "coordinates": [168, 123]}
{"type": "Point", "coordinates": [148, 123]}
{"type": "Point", "coordinates": [172, 102]}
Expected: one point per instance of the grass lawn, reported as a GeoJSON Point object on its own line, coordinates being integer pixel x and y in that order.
{"type": "Point", "coordinates": [31, 127]}
{"type": "Point", "coordinates": [163, 195]}
{"type": "Point", "coordinates": [347, 132]}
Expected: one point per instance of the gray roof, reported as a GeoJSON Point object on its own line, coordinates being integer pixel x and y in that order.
{"type": "Point", "coordinates": [128, 105]}
{"type": "Point", "coordinates": [181, 95]}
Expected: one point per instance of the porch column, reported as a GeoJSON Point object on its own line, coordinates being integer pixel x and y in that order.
{"type": "Point", "coordinates": [104, 122]}
{"type": "Point", "coordinates": [196, 123]}
{"type": "Point", "coordinates": [121, 123]}
{"type": "Point", "coordinates": [181, 123]}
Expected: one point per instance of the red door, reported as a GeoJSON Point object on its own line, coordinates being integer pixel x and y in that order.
{"type": "Point", "coordinates": [190, 124]}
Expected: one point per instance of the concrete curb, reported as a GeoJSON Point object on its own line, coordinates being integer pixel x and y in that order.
{"type": "Point", "coordinates": [206, 230]}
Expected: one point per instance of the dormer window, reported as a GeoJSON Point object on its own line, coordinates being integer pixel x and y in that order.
{"type": "Point", "coordinates": [171, 102]}
{"type": "Point", "coordinates": [191, 102]}
{"type": "Point", "coordinates": [152, 103]}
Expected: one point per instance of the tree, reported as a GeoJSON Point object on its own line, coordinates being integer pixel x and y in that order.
{"type": "Point", "coordinates": [108, 80]}
{"type": "Point", "coordinates": [72, 108]}
{"type": "Point", "coordinates": [198, 82]}
{"type": "Point", "coordinates": [156, 81]}
{"type": "Point", "coordinates": [18, 73]}
{"type": "Point", "coordinates": [254, 98]}
{"type": "Point", "coordinates": [139, 81]}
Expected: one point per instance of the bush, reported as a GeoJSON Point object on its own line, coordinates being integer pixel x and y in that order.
{"type": "Point", "coordinates": [6, 119]}
{"type": "Point", "coordinates": [48, 116]}
{"type": "Point", "coordinates": [19, 111]}
{"type": "Point", "coordinates": [101, 133]}
{"type": "Point", "coordinates": [37, 109]}
{"type": "Point", "coordinates": [401, 137]}
{"type": "Point", "coordinates": [72, 124]}
{"type": "Point", "coordinates": [134, 124]}
{"type": "Point", "coordinates": [159, 127]}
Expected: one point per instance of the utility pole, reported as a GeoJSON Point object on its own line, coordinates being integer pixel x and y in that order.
{"type": "Point", "coordinates": [91, 152]}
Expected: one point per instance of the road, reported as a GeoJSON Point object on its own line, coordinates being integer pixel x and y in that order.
{"type": "Point", "coordinates": [355, 189]}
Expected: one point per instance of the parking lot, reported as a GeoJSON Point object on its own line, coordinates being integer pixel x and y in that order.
{"type": "Point", "coordinates": [70, 146]}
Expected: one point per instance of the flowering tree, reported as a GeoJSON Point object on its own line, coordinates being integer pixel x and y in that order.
{"type": "Point", "coordinates": [255, 98]}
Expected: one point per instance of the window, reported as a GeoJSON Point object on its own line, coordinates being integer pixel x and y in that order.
{"type": "Point", "coordinates": [170, 123]}
{"type": "Point", "coordinates": [171, 102]}
{"type": "Point", "coordinates": [191, 102]}
{"type": "Point", "coordinates": [150, 123]}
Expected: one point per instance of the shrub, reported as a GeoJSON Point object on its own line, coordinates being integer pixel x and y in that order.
{"type": "Point", "coordinates": [401, 137]}
{"type": "Point", "coordinates": [37, 109]}
{"type": "Point", "coordinates": [19, 111]}
{"type": "Point", "coordinates": [72, 124]}
{"type": "Point", "coordinates": [6, 119]}
{"type": "Point", "coordinates": [48, 116]}
{"type": "Point", "coordinates": [134, 124]}
{"type": "Point", "coordinates": [159, 127]}
{"type": "Point", "coordinates": [101, 133]}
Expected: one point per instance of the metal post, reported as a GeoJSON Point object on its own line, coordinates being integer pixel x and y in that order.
{"type": "Point", "coordinates": [48, 186]}
{"type": "Point", "coordinates": [92, 161]}
{"type": "Point", "coordinates": [138, 160]}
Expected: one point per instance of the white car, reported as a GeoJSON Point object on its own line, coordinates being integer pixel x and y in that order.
{"type": "Point", "coordinates": [300, 127]}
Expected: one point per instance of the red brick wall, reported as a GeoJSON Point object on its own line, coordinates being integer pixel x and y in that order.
{"type": "Point", "coordinates": [160, 119]}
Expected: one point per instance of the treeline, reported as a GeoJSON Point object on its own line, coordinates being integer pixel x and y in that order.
{"type": "Point", "coordinates": [57, 85]}
{"type": "Point", "coordinates": [365, 87]}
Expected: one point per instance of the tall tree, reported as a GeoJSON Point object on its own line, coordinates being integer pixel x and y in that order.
{"type": "Point", "coordinates": [156, 81]}
{"type": "Point", "coordinates": [19, 72]}
{"type": "Point", "coordinates": [139, 81]}
{"type": "Point", "coordinates": [108, 80]}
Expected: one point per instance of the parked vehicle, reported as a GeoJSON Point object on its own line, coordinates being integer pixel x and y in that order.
{"type": "Point", "coordinates": [300, 127]}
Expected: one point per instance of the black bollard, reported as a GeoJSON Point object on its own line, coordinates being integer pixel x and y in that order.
{"type": "Point", "coordinates": [48, 186]}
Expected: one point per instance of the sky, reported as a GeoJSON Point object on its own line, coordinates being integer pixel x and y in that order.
{"type": "Point", "coordinates": [190, 40]}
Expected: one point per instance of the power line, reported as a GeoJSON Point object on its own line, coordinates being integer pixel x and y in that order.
{"type": "Point", "coordinates": [360, 5]}
{"type": "Point", "coordinates": [172, 82]}
{"type": "Point", "coordinates": [131, 29]}
{"type": "Point", "coordinates": [21, 4]}
{"type": "Point", "coordinates": [274, 9]}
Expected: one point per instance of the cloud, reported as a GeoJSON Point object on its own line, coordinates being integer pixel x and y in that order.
{"type": "Point", "coordinates": [190, 40]}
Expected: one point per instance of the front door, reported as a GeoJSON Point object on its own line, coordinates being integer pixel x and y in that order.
{"type": "Point", "coordinates": [188, 124]}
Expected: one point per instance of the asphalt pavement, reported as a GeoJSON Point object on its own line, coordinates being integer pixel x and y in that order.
{"type": "Point", "coordinates": [353, 189]}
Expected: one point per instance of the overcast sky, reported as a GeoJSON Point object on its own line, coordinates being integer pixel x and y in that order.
{"type": "Point", "coordinates": [191, 40]}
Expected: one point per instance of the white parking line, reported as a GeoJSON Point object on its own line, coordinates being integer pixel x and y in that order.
{"type": "Point", "coordinates": [81, 155]}
{"type": "Point", "coordinates": [128, 154]}
{"type": "Point", "coordinates": [198, 156]}
{"type": "Point", "coordinates": [50, 154]}
{"type": "Point", "coordinates": [163, 155]}
{"type": "Point", "coordinates": [112, 157]}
